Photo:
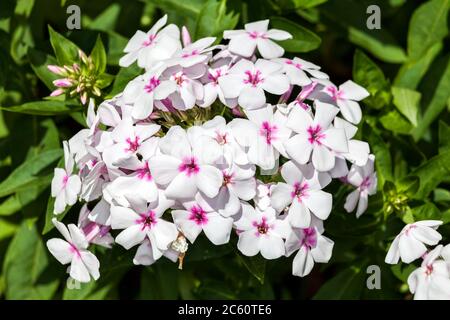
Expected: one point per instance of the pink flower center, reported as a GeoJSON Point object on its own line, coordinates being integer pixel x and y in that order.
{"type": "Point", "coordinates": [365, 183]}
{"type": "Point", "coordinates": [190, 54]}
{"type": "Point", "coordinates": [253, 78]}
{"type": "Point", "coordinates": [152, 84]}
{"type": "Point", "coordinates": [147, 220]}
{"type": "Point", "coordinates": [255, 35]}
{"type": "Point", "coordinates": [261, 227]}
{"type": "Point", "coordinates": [65, 179]}
{"type": "Point", "coordinates": [227, 178]}
{"type": "Point", "coordinates": [300, 191]}
{"type": "Point", "coordinates": [179, 78]}
{"type": "Point", "coordinates": [73, 248]}
{"type": "Point", "coordinates": [334, 93]}
{"type": "Point", "coordinates": [215, 75]}
{"type": "Point", "coordinates": [144, 172]}
{"type": "Point", "coordinates": [309, 239]}
{"type": "Point", "coordinates": [149, 41]}
{"type": "Point", "coordinates": [198, 215]}
{"type": "Point", "coordinates": [429, 269]}
{"type": "Point", "coordinates": [268, 131]}
{"type": "Point", "coordinates": [189, 166]}
{"type": "Point", "coordinates": [133, 145]}
{"type": "Point", "coordinates": [315, 135]}
{"type": "Point", "coordinates": [294, 64]}
{"type": "Point", "coordinates": [221, 138]}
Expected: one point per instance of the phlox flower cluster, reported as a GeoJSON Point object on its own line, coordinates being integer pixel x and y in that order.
{"type": "Point", "coordinates": [185, 148]}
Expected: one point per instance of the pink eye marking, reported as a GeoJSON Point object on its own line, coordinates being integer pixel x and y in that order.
{"type": "Point", "coordinates": [198, 215]}
{"type": "Point", "coordinates": [268, 131]}
{"type": "Point", "coordinates": [315, 135]}
{"type": "Point", "coordinates": [255, 35]}
{"type": "Point", "coordinates": [309, 239]}
{"type": "Point", "coordinates": [179, 78]}
{"type": "Point", "coordinates": [189, 166]}
{"type": "Point", "coordinates": [334, 92]}
{"type": "Point", "coordinates": [215, 75]}
{"type": "Point", "coordinates": [149, 41]}
{"type": "Point", "coordinates": [65, 179]}
{"type": "Point", "coordinates": [300, 191]}
{"type": "Point", "coordinates": [152, 84]}
{"type": "Point", "coordinates": [301, 104]}
{"type": "Point", "coordinates": [261, 227]}
{"type": "Point", "coordinates": [227, 178]}
{"type": "Point", "coordinates": [144, 173]}
{"type": "Point", "coordinates": [133, 145]}
{"type": "Point", "coordinates": [74, 250]}
{"type": "Point", "coordinates": [147, 220]}
{"type": "Point", "coordinates": [253, 78]}
{"type": "Point", "coordinates": [221, 138]}
{"type": "Point", "coordinates": [190, 54]}
{"type": "Point", "coordinates": [429, 269]}
{"type": "Point", "coordinates": [365, 183]}
{"type": "Point", "coordinates": [294, 64]}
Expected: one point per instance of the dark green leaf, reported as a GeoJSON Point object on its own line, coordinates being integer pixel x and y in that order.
{"type": "Point", "coordinates": [98, 55]}
{"type": "Point", "coordinates": [303, 40]}
{"type": "Point", "coordinates": [66, 51]}
{"type": "Point", "coordinates": [43, 108]}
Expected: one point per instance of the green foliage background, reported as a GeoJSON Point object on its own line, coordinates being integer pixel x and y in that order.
{"type": "Point", "coordinates": [405, 66]}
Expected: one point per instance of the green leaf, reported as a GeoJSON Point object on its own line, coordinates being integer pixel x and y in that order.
{"type": "Point", "coordinates": [303, 40]}
{"type": "Point", "coordinates": [25, 267]}
{"type": "Point", "coordinates": [98, 55]}
{"type": "Point", "coordinates": [412, 72]}
{"type": "Point", "coordinates": [441, 195]}
{"type": "Point", "coordinates": [124, 76]}
{"type": "Point", "coordinates": [7, 229]}
{"type": "Point", "coordinates": [66, 51]}
{"type": "Point", "coordinates": [428, 26]}
{"type": "Point", "coordinates": [407, 102]}
{"type": "Point", "coordinates": [370, 76]}
{"type": "Point", "coordinates": [428, 211]}
{"type": "Point", "coordinates": [383, 50]}
{"type": "Point", "coordinates": [383, 163]}
{"type": "Point", "coordinates": [214, 19]}
{"type": "Point", "coordinates": [432, 173]}
{"type": "Point", "coordinates": [347, 284]}
{"type": "Point", "coordinates": [159, 282]}
{"type": "Point", "coordinates": [402, 271]}
{"type": "Point", "coordinates": [395, 122]}
{"type": "Point", "coordinates": [43, 108]}
{"type": "Point", "coordinates": [39, 62]}
{"type": "Point", "coordinates": [436, 105]}
{"type": "Point", "coordinates": [444, 135]}
{"type": "Point", "coordinates": [27, 173]}
{"type": "Point", "coordinates": [256, 265]}
{"type": "Point", "coordinates": [106, 21]}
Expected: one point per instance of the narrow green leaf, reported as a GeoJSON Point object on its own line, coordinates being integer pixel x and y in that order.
{"type": "Point", "coordinates": [27, 173]}
{"type": "Point", "coordinates": [39, 62]}
{"type": "Point", "coordinates": [407, 102]}
{"type": "Point", "coordinates": [213, 19]}
{"type": "Point", "coordinates": [66, 51]}
{"type": "Point", "coordinates": [98, 55]}
{"type": "Point", "coordinates": [303, 40]}
{"type": "Point", "coordinates": [106, 21]}
{"type": "Point", "coordinates": [43, 108]}
{"type": "Point", "coordinates": [25, 267]}
{"type": "Point", "coordinates": [428, 26]}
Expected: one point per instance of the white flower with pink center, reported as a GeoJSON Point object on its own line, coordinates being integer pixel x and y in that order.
{"type": "Point", "coordinates": [185, 166]}
{"type": "Point", "coordinates": [300, 196]}
{"type": "Point", "coordinates": [345, 97]}
{"type": "Point", "coordinates": [316, 138]}
{"type": "Point", "coordinates": [365, 180]}
{"type": "Point", "coordinates": [261, 232]}
{"type": "Point", "coordinates": [138, 182]}
{"type": "Point", "coordinates": [264, 134]}
{"type": "Point", "coordinates": [199, 216]}
{"type": "Point", "coordinates": [128, 140]}
{"type": "Point", "coordinates": [431, 281]}
{"type": "Point", "coordinates": [187, 89]}
{"type": "Point", "coordinates": [151, 47]}
{"type": "Point", "coordinates": [65, 185]}
{"type": "Point", "coordinates": [358, 151]}
{"type": "Point", "coordinates": [312, 248]}
{"type": "Point", "coordinates": [297, 68]}
{"type": "Point", "coordinates": [144, 90]}
{"type": "Point", "coordinates": [144, 221]}
{"type": "Point", "coordinates": [194, 53]}
{"type": "Point", "coordinates": [256, 35]}
{"type": "Point", "coordinates": [247, 82]}
{"type": "Point", "coordinates": [212, 89]}
{"type": "Point", "coordinates": [83, 264]}
{"type": "Point", "coordinates": [411, 243]}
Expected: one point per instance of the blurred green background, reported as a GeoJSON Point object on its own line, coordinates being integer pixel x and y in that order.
{"type": "Point", "coordinates": [404, 65]}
